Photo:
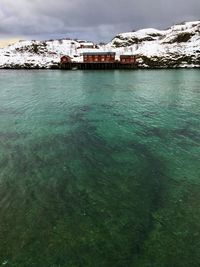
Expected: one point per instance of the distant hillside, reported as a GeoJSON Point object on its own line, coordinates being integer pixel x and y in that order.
{"type": "Point", "coordinates": [178, 46]}
{"type": "Point", "coordinates": [36, 54]}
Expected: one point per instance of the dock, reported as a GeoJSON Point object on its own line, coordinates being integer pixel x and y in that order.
{"type": "Point", "coordinates": [96, 66]}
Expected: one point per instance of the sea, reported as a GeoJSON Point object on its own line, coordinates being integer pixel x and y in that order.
{"type": "Point", "coordinates": [100, 168]}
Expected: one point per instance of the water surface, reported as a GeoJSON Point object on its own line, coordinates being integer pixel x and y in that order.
{"type": "Point", "coordinates": [100, 168]}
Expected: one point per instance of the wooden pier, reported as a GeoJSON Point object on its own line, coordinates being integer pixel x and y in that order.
{"type": "Point", "coordinates": [96, 66]}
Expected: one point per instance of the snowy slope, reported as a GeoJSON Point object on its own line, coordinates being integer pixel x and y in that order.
{"type": "Point", "coordinates": [178, 46]}
{"type": "Point", "coordinates": [36, 54]}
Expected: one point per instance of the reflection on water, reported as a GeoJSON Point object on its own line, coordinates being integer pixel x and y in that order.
{"type": "Point", "coordinates": [99, 168]}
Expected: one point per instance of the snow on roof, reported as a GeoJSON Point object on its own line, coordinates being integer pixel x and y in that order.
{"type": "Point", "coordinates": [86, 43]}
{"type": "Point", "coordinates": [98, 53]}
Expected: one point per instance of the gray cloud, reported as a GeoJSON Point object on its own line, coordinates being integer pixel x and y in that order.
{"type": "Point", "coordinates": [93, 19]}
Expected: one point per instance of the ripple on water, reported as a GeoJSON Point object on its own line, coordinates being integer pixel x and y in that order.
{"type": "Point", "coordinates": [91, 176]}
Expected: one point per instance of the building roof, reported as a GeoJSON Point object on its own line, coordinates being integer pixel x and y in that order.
{"type": "Point", "coordinates": [127, 55]}
{"type": "Point", "coordinates": [98, 53]}
{"type": "Point", "coordinates": [85, 44]}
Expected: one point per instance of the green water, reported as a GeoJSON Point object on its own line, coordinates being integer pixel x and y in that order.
{"type": "Point", "coordinates": [100, 169]}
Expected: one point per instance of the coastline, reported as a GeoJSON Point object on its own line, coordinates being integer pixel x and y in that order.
{"type": "Point", "coordinates": [133, 69]}
{"type": "Point", "coordinates": [174, 48]}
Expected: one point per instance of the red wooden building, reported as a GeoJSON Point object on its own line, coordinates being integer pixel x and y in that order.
{"type": "Point", "coordinates": [65, 59]}
{"type": "Point", "coordinates": [99, 57]}
{"type": "Point", "coordinates": [127, 59]}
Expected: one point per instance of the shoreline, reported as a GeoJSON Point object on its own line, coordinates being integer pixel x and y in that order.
{"type": "Point", "coordinates": [131, 69]}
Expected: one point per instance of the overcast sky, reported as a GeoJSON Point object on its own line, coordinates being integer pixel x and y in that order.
{"type": "Point", "coordinates": [90, 19]}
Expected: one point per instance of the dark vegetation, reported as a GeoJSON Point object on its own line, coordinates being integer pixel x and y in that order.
{"type": "Point", "coordinates": [183, 37]}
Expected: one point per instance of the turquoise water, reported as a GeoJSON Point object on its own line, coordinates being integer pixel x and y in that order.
{"type": "Point", "coordinates": [100, 168]}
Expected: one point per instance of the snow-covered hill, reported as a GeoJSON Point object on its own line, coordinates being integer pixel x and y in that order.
{"type": "Point", "coordinates": [178, 46]}
{"type": "Point", "coordinates": [36, 54]}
